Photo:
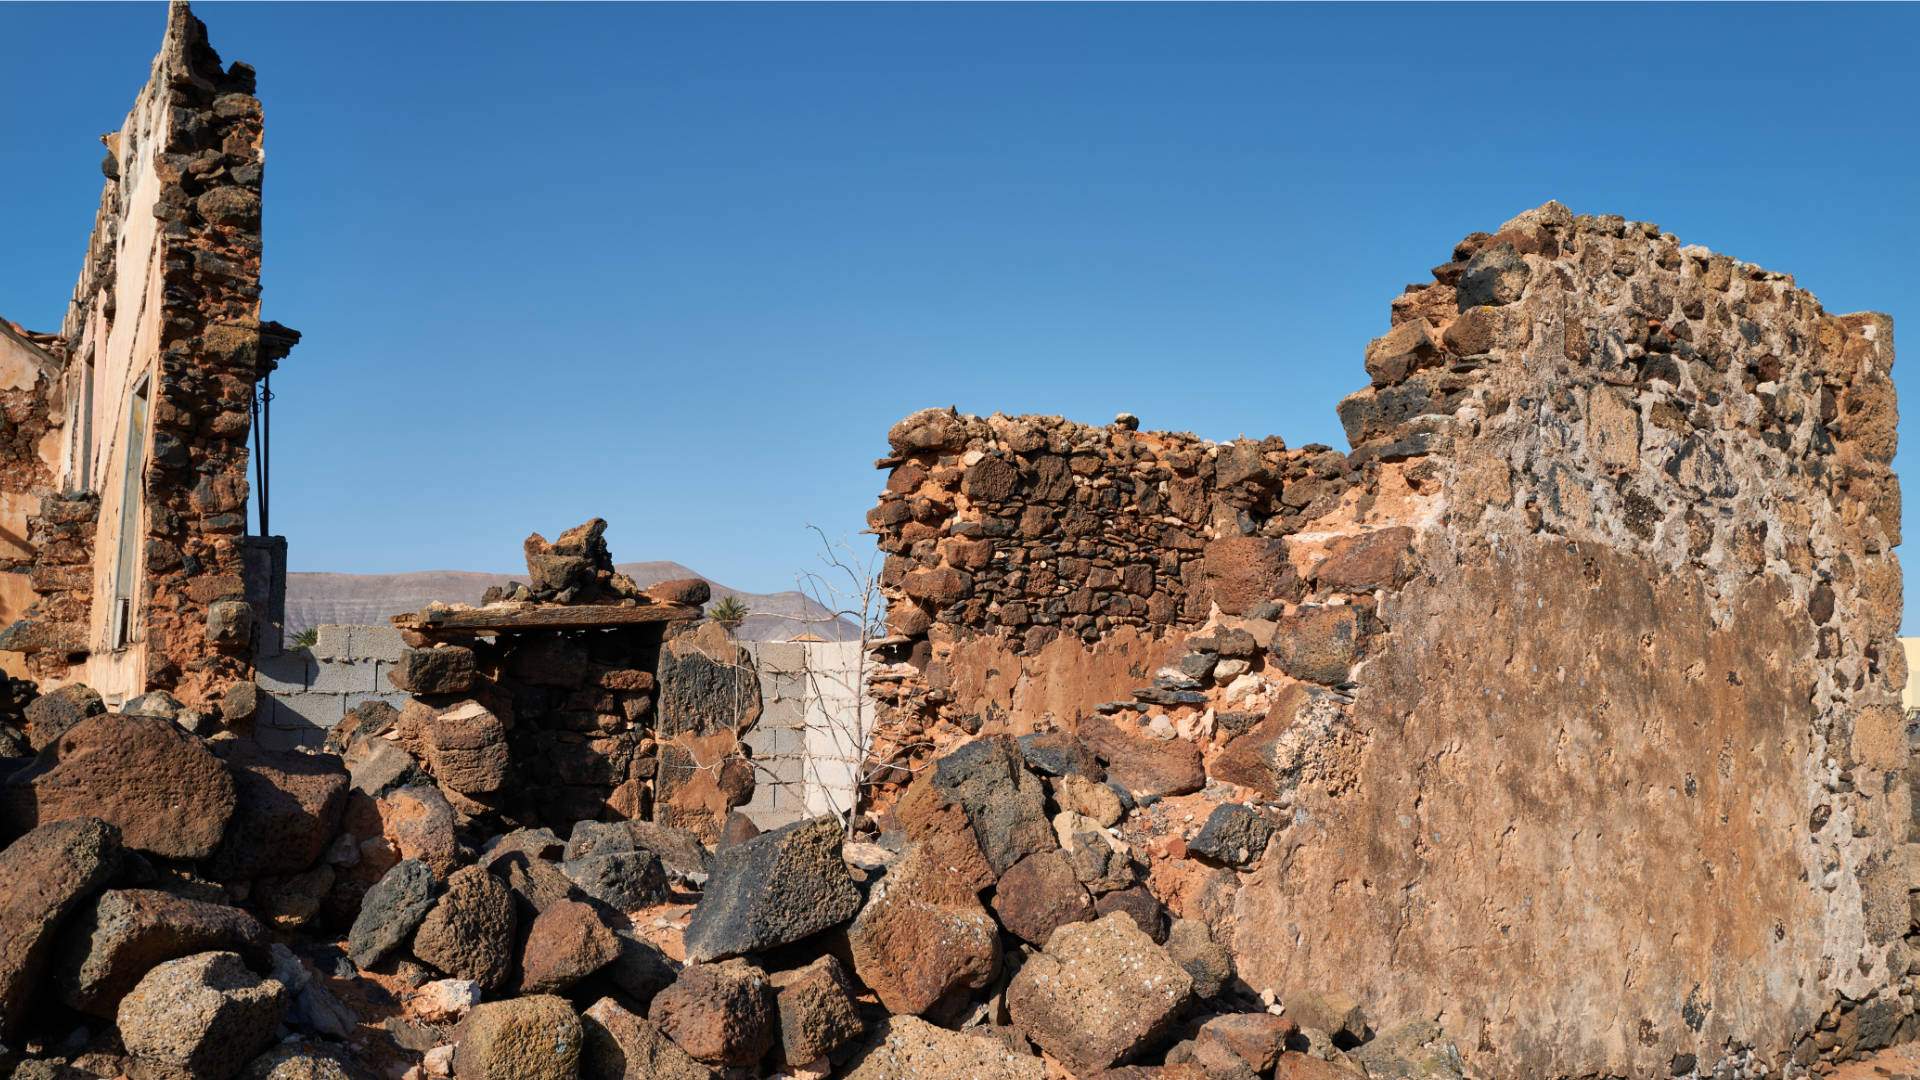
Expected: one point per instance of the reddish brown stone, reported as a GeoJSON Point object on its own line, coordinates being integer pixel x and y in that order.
{"type": "Point", "coordinates": [1040, 895]}
{"type": "Point", "coordinates": [928, 429]}
{"type": "Point", "coordinates": [817, 1011]}
{"type": "Point", "coordinates": [1255, 1038]}
{"type": "Point", "coordinates": [692, 592]}
{"type": "Point", "coordinates": [941, 827]}
{"type": "Point", "coordinates": [159, 785]}
{"type": "Point", "coordinates": [1142, 763]}
{"type": "Point", "coordinates": [722, 1014]}
{"type": "Point", "coordinates": [44, 875]}
{"type": "Point", "coordinates": [923, 898]}
{"type": "Point", "coordinates": [1294, 1065]}
{"type": "Point", "coordinates": [288, 806]}
{"type": "Point", "coordinates": [1382, 559]}
{"type": "Point", "coordinates": [569, 941]}
{"type": "Point", "coordinates": [1246, 570]}
{"type": "Point", "coordinates": [937, 585]}
{"type": "Point", "coordinates": [469, 932]}
{"type": "Point", "coordinates": [124, 933]}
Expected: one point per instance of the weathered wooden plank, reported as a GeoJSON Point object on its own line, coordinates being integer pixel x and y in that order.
{"type": "Point", "coordinates": [508, 620]}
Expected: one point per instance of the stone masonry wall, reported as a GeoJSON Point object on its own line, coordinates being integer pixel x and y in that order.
{"type": "Point", "coordinates": [1573, 686]}
{"type": "Point", "coordinates": [169, 294]}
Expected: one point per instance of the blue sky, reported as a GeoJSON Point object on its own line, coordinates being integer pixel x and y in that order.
{"type": "Point", "coordinates": [681, 266]}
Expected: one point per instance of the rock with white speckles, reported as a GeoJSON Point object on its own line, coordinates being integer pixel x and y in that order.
{"type": "Point", "coordinates": [1101, 993]}
{"type": "Point", "coordinates": [909, 1048]}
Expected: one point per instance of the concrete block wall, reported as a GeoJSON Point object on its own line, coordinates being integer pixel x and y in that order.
{"type": "Point", "coordinates": [803, 745]}
{"type": "Point", "coordinates": [307, 691]}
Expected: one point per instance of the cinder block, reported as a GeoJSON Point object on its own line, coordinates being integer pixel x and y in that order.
{"type": "Point", "coordinates": [375, 642]}
{"type": "Point", "coordinates": [308, 710]}
{"type": "Point", "coordinates": [288, 673]}
{"type": "Point", "coordinates": [330, 643]}
{"type": "Point", "coordinates": [783, 656]}
{"type": "Point", "coordinates": [343, 677]}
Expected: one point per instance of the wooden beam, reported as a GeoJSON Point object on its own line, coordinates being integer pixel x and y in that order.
{"type": "Point", "coordinates": [515, 620]}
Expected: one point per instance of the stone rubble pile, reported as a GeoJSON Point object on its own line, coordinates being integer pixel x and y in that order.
{"type": "Point", "coordinates": [179, 906]}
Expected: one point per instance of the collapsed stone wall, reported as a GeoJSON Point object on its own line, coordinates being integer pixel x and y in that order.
{"type": "Point", "coordinates": [1574, 683]}
{"type": "Point", "coordinates": [169, 293]}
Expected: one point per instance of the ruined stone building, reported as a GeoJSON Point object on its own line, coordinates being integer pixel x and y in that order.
{"type": "Point", "coordinates": [1558, 720]}
{"type": "Point", "coordinates": [125, 505]}
{"type": "Point", "coordinates": [1574, 683]}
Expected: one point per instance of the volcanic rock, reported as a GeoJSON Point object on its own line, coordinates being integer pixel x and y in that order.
{"type": "Point", "coordinates": [469, 933]}
{"type": "Point", "coordinates": [1039, 895]}
{"type": "Point", "coordinates": [1233, 834]}
{"type": "Point", "coordinates": [772, 890]}
{"type": "Point", "coordinates": [390, 912]}
{"type": "Point", "coordinates": [817, 1010]}
{"type": "Point", "coordinates": [124, 933]}
{"type": "Point", "coordinates": [622, 1046]}
{"type": "Point", "coordinates": [44, 876]}
{"type": "Point", "coordinates": [569, 941]}
{"type": "Point", "coordinates": [444, 669]}
{"type": "Point", "coordinates": [722, 1014]}
{"type": "Point", "coordinates": [201, 1017]}
{"type": "Point", "coordinates": [1141, 763]}
{"type": "Point", "coordinates": [1005, 803]}
{"type": "Point", "coordinates": [523, 1038]}
{"type": "Point", "coordinates": [921, 900]}
{"type": "Point", "coordinates": [167, 794]}
{"type": "Point", "coordinates": [287, 808]}
{"type": "Point", "coordinates": [1101, 992]}
{"type": "Point", "coordinates": [54, 713]}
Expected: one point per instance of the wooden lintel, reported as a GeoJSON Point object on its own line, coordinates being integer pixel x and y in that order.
{"type": "Point", "coordinates": [511, 620]}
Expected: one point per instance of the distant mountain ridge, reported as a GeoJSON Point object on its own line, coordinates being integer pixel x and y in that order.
{"type": "Point", "coordinates": [319, 599]}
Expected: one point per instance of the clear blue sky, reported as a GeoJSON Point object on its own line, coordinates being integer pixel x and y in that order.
{"type": "Point", "coordinates": [682, 266]}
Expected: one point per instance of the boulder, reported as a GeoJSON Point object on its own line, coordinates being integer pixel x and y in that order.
{"type": "Point", "coordinates": [287, 809]}
{"type": "Point", "coordinates": [1255, 1038]}
{"type": "Point", "coordinates": [923, 898]}
{"type": "Point", "coordinates": [927, 430]}
{"type": "Point", "coordinates": [1005, 804]}
{"type": "Point", "coordinates": [1040, 895]}
{"type": "Point", "coordinates": [1140, 905]}
{"type": "Point", "coordinates": [773, 890]}
{"type": "Point", "coordinates": [44, 876]}
{"type": "Point", "coordinates": [1206, 961]}
{"type": "Point", "coordinates": [390, 912]}
{"type": "Point", "coordinates": [1142, 763]}
{"type": "Point", "coordinates": [469, 933]}
{"type": "Point", "coordinates": [124, 933]}
{"type": "Point", "coordinates": [444, 669]}
{"type": "Point", "coordinates": [568, 942]}
{"type": "Point", "coordinates": [466, 750]}
{"type": "Point", "coordinates": [937, 823]}
{"type": "Point", "coordinates": [1320, 643]}
{"type": "Point", "coordinates": [1382, 559]}
{"type": "Point", "coordinates": [1101, 992]}
{"type": "Point", "coordinates": [55, 712]}
{"type": "Point", "coordinates": [680, 851]}
{"type": "Point", "coordinates": [816, 1009]}
{"type": "Point", "coordinates": [165, 791]}
{"type": "Point", "coordinates": [622, 1046]}
{"type": "Point", "coordinates": [1233, 834]}
{"type": "Point", "coordinates": [201, 1017]}
{"type": "Point", "coordinates": [625, 880]}
{"type": "Point", "coordinates": [419, 823]}
{"type": "Point", "coordinates": [690, 591]}
{"type": "Point", "coordinates": [722, 1014]}
{"type": "Point", "coordinates": [535, 883]}
{"type": "Point", "coordinates": [909, 1048]}
{"type": "Point", "coordinates": [523, 1038]}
